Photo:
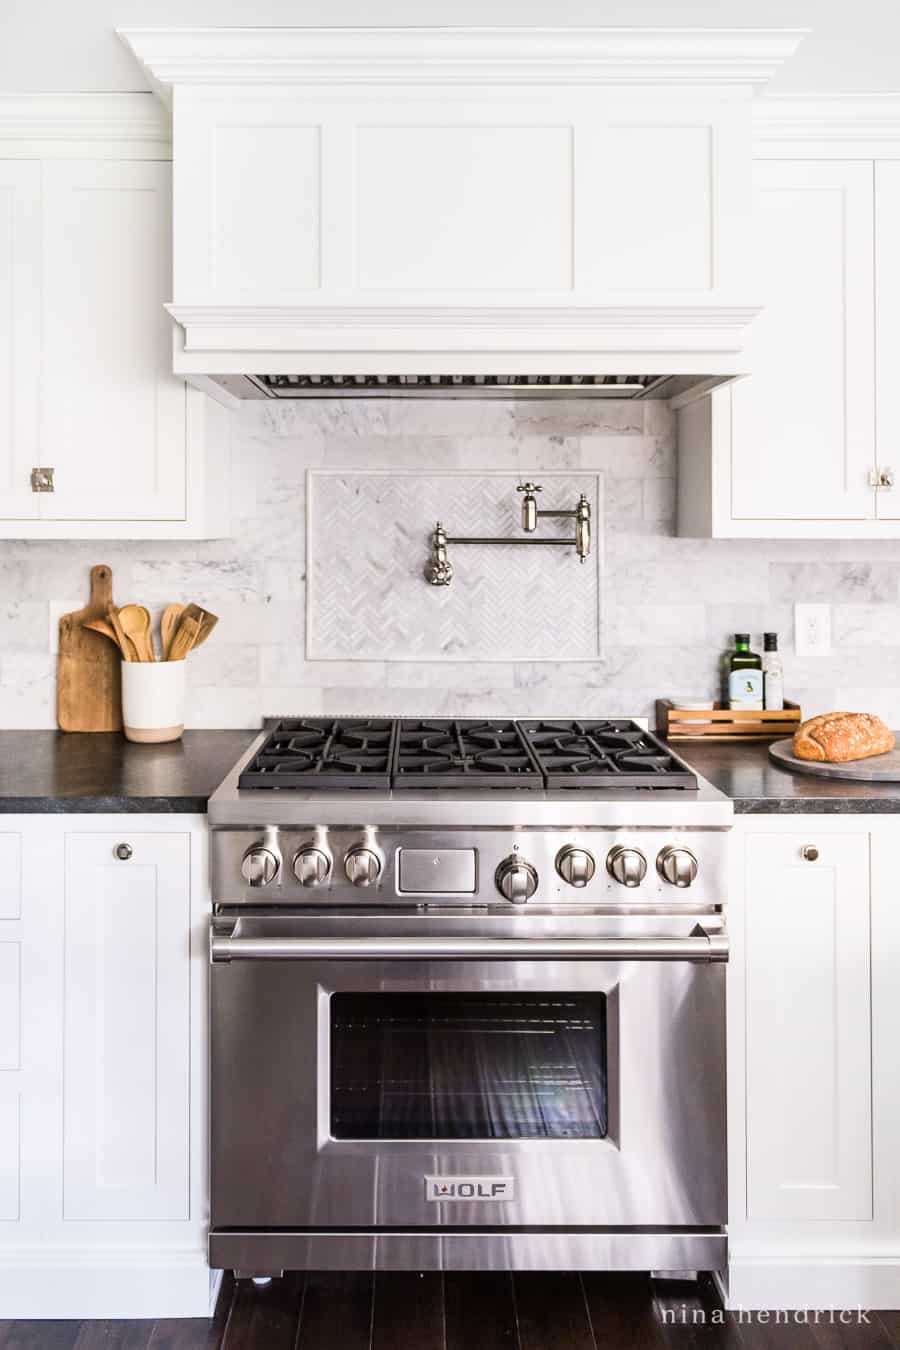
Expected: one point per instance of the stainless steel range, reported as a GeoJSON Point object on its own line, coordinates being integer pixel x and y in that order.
{"type": "Point", "coordinates": [468, 1000]}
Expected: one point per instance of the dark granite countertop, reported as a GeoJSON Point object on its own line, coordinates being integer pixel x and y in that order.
{"type": "Point", "coordinates": [746, 774]}
{"type": "Point", "coordinates": [50, 771]}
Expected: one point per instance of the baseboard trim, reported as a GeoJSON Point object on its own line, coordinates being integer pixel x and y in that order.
{"type": "Point", "coordinates": [87, 1284]}
{"type": "Point", "coordinates": [804, 1281]}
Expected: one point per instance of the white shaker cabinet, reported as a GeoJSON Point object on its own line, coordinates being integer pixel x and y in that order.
{"type": "Point", "coordinates": [813, 1090]}
{"type": "Point", "coordinates": [86, 383]}
{"type": "Point", "coordinates": [113, 416]}
{"type": "Point", "coordinates": [126, 1085]}
{"type": "Point", "coordinates": [808, 1026]}
{"type": "Point", "coordinates": [103, 978]}
{"type": "Point", "coordinates": [20, 292]}
{"type": "Point", "coordinates": [805, 445]}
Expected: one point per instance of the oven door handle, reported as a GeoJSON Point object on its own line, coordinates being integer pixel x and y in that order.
{"type": "Point", "coordinates": [699, 946]}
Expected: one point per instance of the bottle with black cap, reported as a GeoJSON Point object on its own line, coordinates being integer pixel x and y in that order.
{"type": "Point", "coordinates": [773, 673]}
{"type": "Point", "coordinates": [745, 676]}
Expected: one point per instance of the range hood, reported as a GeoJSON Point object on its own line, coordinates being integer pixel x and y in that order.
{"type": "Point", "coordinates": [459, 212]}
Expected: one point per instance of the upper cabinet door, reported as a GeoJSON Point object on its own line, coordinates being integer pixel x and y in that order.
{"type": "Point", "coordinates": [803, 425]}
{"type": "Point", "coordinates": [113, 415]}
{"type": "Point", "coordinates": [20, 295]}
{"type": "Point", "coordinates": [887, 335]}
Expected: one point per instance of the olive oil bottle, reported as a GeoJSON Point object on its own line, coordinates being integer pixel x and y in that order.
{"type": "Point", "coordinates": [745, 675]}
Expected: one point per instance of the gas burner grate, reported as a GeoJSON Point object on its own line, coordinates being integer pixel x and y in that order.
{"type": "Point", "coordinates": [322, 754]}
{"type": "Point", "coordinates": [604, 754]}
{"type": "Point", "coordinates": [462, 754]}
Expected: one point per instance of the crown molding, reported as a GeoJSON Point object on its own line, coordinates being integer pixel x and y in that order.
{"type": "Point", "coordinates": [105, 125]}
{"type": "Point", "coordinates": [459, 56]}
{"type": "Point", "coordinates": [832, 126]}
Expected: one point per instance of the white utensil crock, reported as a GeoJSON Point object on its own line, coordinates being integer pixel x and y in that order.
{"type": "Point", "coordinates": [153, 700]}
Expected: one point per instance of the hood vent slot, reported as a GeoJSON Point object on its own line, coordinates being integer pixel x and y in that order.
{"type": "Point", "coordinates": [464, 386]}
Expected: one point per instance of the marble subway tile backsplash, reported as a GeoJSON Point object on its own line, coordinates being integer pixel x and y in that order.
{"type": "Point", "coordinates": [667, 605]}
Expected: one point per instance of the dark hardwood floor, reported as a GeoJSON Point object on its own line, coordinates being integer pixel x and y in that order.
{"type": "Point", "coordinates": [464, 1312]}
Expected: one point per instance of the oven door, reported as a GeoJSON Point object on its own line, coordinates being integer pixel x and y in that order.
{"type": "Point", "coordinates": [381, 1080]}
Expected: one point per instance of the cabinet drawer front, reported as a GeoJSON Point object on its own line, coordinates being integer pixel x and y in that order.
{"type": "Point", "coordinates": [126, 1027]}
{"type": "Point", "coordinates": [809, 1102]}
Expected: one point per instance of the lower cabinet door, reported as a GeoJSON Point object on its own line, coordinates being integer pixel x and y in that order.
{"type": "Point", "coordinates": [809, 1098]}
{"type": "Point", "coordinates": [126, 1027]}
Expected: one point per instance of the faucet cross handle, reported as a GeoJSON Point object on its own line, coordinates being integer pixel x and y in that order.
{"type": "Point", "coordinates": [529, 505]}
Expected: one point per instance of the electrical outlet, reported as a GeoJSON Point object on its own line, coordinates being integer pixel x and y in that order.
{"type": "Point", "coordinates": [812, 629]}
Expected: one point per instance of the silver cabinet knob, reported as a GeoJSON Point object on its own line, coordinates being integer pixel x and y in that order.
{"type": "Point", "coordinates": [363, 866]}
{"type": "Point", "coordinates": [628, 866]}
{"type": "Point", "coordinates": [886, 478]}
{"type": "Point", "coordinates": [678, 866]}
{"type": "Point", "coordinates": [809, 852]}
{"type": "Point", "coordinates": [312, 866]}
{"type": "Point", "coordinates": [123, 852]}
{"type": "Point", "coordinates": [516, 879]}
{"type": "Point", "coordinates": [575, 865]}
{"type": "Point", "coordinates": [259, 865]}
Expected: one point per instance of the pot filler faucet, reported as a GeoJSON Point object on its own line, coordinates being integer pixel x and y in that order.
{"type": "Point", "coordinates": [439, 569]}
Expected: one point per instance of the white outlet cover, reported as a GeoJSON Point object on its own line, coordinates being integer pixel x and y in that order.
{"type": "Point", "coordinates": [812, 629]}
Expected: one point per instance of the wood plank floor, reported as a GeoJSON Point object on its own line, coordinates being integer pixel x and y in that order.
{"type": "Point", "coordinates": [461, 1312]}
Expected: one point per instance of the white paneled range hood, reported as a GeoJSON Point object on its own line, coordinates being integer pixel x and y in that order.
{"type": "Point", "coordinates": [472, 212]}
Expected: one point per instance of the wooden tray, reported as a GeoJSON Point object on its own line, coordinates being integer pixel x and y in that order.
{"type": "Point", "coordinates": [725, 724]}
{"type": "Point", "coordinates": [875, 769]}
{"type": "Point", "coordinates": [89, 669]}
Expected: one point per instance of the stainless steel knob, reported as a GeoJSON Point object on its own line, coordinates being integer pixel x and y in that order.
{"type": "Point", "coordinates": [809, 852]}
{"type": "Point", "coordinates": [259, 865]}
{"type": "Point", "coordinates": [123, 852]}
{"type": "Point", "coordinates": [678, 866]}
{"type": "Point", "coordinates": [628, 866]}
{"type": "Point", "coordinates": [363, 866]}
{"type": "Point", "coordinates": [516, 879]}
{"type": "Point", "coordinates": [312, 866]}
{"type": "Point", "coordinates": [575, 865]}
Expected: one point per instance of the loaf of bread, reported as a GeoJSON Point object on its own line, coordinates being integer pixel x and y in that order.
{"type": "Point", "coordinates": [841, 736]}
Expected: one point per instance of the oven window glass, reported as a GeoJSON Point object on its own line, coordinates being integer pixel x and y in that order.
{"type": "Point", "coordinates": [468, 1066]}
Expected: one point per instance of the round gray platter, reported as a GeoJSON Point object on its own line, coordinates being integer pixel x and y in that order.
{"type": "Point", "coordinates": [876, 769]}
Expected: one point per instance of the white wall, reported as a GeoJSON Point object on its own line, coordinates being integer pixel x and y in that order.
{"type": "Point", "coordinates": [71, 44]}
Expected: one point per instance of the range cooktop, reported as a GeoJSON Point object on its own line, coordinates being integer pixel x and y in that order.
{"type": "Point", "coordinates": [402, 755]}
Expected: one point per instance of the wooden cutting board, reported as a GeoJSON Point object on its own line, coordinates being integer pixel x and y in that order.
{"type": "Point", "coordinates": [876, 769]}
{"type": "Point", "coordinates": [89, 667]}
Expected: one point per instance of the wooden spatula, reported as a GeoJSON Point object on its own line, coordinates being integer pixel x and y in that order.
{"type": "Point", "coordinates": [207, 624]}
{"type": "Point", "coordinates": [185, 637]}
{"type": "Point", "coordinates": [107, 630]}
{"type": "Point", "coordinates": [168, 626]}
{"type": "Point", "coordinates": [135, 621]}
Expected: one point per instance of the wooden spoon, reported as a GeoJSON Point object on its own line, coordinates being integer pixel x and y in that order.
{"type": "Point", "coordinates": [168, 625]}
{"type": "Point", "coordinates": [128, 651]}
{"type": "Point", "coordinates": [101, 626]}
{"type": "Point", "coordinates": [135, 621]}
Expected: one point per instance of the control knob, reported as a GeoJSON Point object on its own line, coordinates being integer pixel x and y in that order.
{"type": "Point", "coordinates": [516, 879]}
{"type": "Point", "coordinates": [312, 866]}
{"type": "Point", "coordinates": [678, 866]}
{"type": "Point", "coordinates": [575, 865]}
{"type": "Point", "coordinates": [628, 866]}
{"type": "Point", "coordinates": [363, 866]}
{"type": "Point", "coordinates": [259, 865]}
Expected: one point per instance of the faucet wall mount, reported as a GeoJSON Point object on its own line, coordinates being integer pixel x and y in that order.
{"type": "Point", "coordinates": [439, 569]}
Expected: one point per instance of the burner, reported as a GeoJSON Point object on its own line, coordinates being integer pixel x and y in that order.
{"type": "Point", "coordinates": [462, 754]}
{"type": "Point", "coordinates": [325, 754]}
{"type": "Point", "coordinates": [604, 754]}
